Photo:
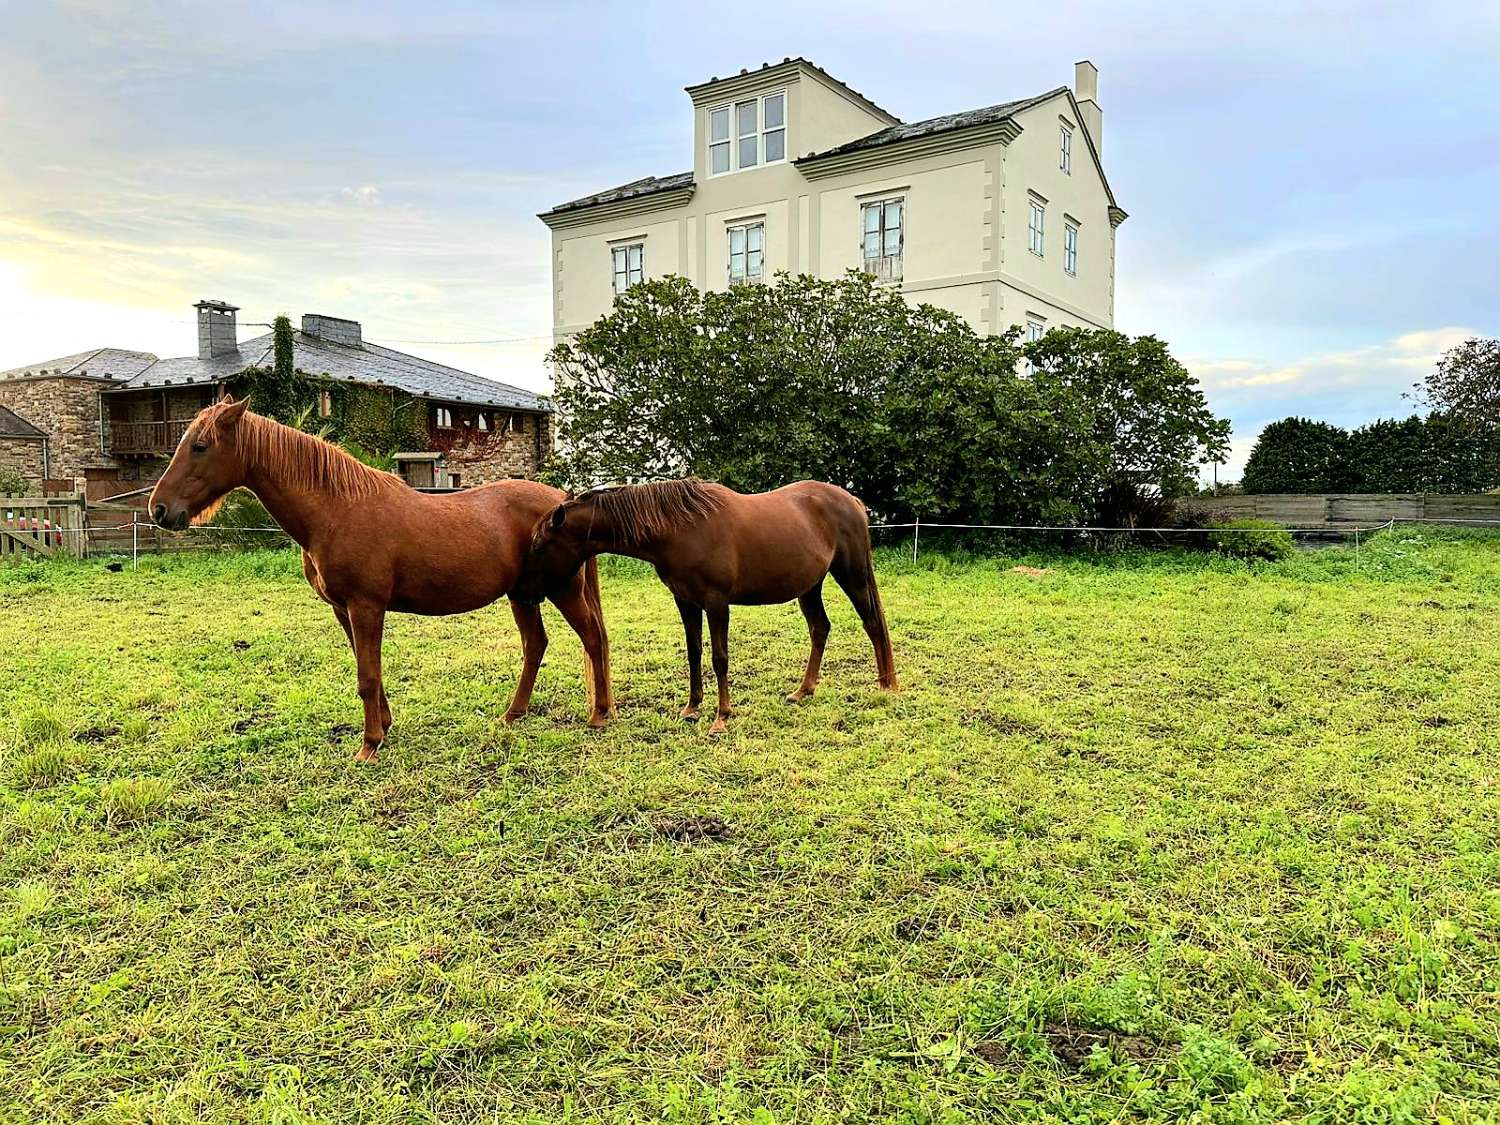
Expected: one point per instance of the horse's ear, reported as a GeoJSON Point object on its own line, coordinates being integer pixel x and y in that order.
{"type": "Point", "coordinates": [226, 397]}
{"type": "Point", "coordinates": [232, 412]}
{"type": "Point", "coordinates": [559, 514]}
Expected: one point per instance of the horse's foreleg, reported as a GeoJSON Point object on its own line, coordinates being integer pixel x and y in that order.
{"type": "Point", "coordinates": [588, 622]}
{"type": "Point", "coordinates": [367, 624]}
{"type": "Point", "coordinates": [385, 704]}
{"type": "Point", "coordinates": [718, 635]}
{"type": "Point", "coordinates": [817, 630]}
{"type": "Point", "coordinates": [533, 646]}
{"type": "Point", "coordinates": [692, 628]}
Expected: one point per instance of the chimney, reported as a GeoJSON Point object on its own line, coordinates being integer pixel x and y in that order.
{"type": "Point", "coordinates": [1086, 90]}
{"type": "Point", "coordinates": [216, 329]}
{"type": "Point", "coordinates": [333, 330]}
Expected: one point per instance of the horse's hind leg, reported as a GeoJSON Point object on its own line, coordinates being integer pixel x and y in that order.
{"type": "Point", "coordinates": [854, 571]}
{"type": "Point", "coordinates": [588, 623]}
{"type": "Point", "coordinates": [533, 646]}
{"type": "Point", "coordinates": [817, 629]}
{"type": "Point", "coordinates": [692, 630]}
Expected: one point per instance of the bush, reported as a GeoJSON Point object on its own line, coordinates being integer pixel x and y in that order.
{"type": "Point", "coordinates": [905, 405]}
{"type": "Point", "coordinates": [1299, 455]}
{"type": "Point", "coordinates": [12, 483]}
{"type": "Point", "coordinates": [1250, 539]}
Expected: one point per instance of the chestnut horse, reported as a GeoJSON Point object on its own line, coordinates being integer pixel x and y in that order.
{"type": "Point", "coordinates": [371, 544]}
{"type": "Point", "coordinates": [714, 547]}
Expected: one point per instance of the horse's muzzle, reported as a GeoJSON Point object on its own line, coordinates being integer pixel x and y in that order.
{"type": "Point", "coordinates": [160, 517]}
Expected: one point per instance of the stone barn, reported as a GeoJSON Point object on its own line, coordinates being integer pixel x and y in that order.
{"type": "Point", "coordinates": [108, 419]}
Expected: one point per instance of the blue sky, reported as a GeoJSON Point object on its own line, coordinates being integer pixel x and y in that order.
{"type": "Point", "coordinates": [1312, 187]}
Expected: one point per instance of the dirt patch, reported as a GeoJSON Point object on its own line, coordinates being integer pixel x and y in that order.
{"type": "Point", "coordinates": [919, 929]}
{"type": "Point", "coordinates": [1073, 1043]}
{"type": "Point", "coordinates": [95, 734]}
{"type": "Point", "coordinates": [1436, 721]}
{"type": "Point", "coordinates": [993, 1052]}
{"type": "Point", "coordinates": [1031, 571]}
{"type": "Point", "coordinates": [691, 829]}
{"type": "Point", "coordinates": [240, 646]}
{"type": "Point", "coordinates": [340, 731]}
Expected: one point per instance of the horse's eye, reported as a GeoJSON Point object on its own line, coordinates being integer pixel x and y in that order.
{"type": "Point", "coordinates": [199, 447]}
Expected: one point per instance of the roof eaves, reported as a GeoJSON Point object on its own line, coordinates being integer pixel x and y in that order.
{"type": "Point", "coordinates": [768, 69]}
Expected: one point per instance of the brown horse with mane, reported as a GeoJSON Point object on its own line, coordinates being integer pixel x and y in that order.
{"type": "Point", "coordinates": [371, 544]}
{"type": "Point", "coordinates": [714, 547]}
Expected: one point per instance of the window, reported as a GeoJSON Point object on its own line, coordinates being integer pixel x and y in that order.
{"type": "Point", "coordinates": [1036, 328]}
{"type": "Point", "coordinates": [747, 244]}
{"type": "Point", "coordinates": [443, 417]}
{"type": "Point", "coordinates": [883, 238]}
{"type": "Point", "coordinates": [1065, 149]}
{"type": "Point", "coordinates": [325, 404]}
{"type": "Point", "coordinates": [1070, 249]}
{"type": "Point", "coordinates": [747, 133]}
{"type": "Point", "coordinates": [629, 264]}
{"type": "Point", "coordinates": [718, 140]}
{"type": "Point", "coordinates": [455, 481]}
{"type": "Point", "coordinates": [1037, 229]}
{"type": "Point", "coordinates": [482, 422]}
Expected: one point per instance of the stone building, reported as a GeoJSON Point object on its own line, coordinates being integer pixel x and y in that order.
{"type": "Point", "coordinates": [109, 419]}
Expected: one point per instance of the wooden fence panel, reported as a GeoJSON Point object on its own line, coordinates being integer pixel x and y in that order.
{"type": "Point", "coordinates": [1369, 509]}
{"type": "Point", "coordinates": [41, 526]}
{"type": "Point", "coordinates": [1342, 510]}
{"type": "Point", "coordinates": [1485, 507]}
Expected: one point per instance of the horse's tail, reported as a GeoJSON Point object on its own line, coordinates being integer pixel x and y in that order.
{"type": "Point", "coordinates": [885, 656]}
{"type": "Point", "coordinates": [596, 609]}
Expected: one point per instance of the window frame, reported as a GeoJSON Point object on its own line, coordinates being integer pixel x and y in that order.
{"type": "Point", "coordinates": [734, 138]}
{"type": "Point", "coordinates": [325, 403]}
{"type": "Point", "coordinates": [745, 278]}
{"type": "Point", "coordinates": [482, 421]}
{"type": "Point", "coordinates": [1036, 227]}
{"type": "Point", "coordinates": [616, 250]}
{"type": "Point", "coordinates": [1036, 327]}
{"type": "Point", "coordinates": [897, 276]}
{"type": "Point", "coordinates": [1070, 247]}
{"type": "Point", "coordinates": [1065, 148]}
{"type": "Point", "coordinates": [442, 417]}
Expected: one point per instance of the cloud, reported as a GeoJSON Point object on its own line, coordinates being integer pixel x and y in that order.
{"type": "Point", "coordinates": [367, 195]}
{"type": "Point", "coordinates": [1398, 362]}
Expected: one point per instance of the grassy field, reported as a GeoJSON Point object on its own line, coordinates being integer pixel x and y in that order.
{"type": "Point", "coordinates": [1146, 837]}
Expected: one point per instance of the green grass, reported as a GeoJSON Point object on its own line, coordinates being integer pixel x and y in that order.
{"type": "Point", "coordinates": [1146, 837]}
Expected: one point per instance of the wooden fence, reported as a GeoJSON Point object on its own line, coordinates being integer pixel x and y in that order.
{"type": "Point", "coordinates": [1336, 510]}
{"type": "Point", "coordinates": [42, 526]}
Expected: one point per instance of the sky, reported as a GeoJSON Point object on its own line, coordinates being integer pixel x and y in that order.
{"type": "Point", "coordinates": [1312, 187]}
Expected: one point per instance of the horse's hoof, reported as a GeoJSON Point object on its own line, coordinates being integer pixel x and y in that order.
{"type": "Point", "coordinates": [892, 687]}
{"type": "Point", "coordinates": [798, 696]}
{"type": "Point", "coordinates": [719, 727]}
{"type": "Point", "coordinates": [367, 751]}
{"type": "Point", "coordinates": [598, 719]}
{"type": "Point", "coordinates": [690, 714]}
{"type": "Point", "coordinates": [512, 717]}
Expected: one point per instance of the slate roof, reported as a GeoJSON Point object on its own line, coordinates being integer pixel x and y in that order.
{"type": "Point", "coordinates": [648, 185]}
{"type": "Point", "coordinates": [12, 425]}
{"type": "Point", "coordinates": [947, 123]}
{"type": "Point", "coordinates": [810, 66]}
{"type": "Point", "coordinates": [105, 364]}
{"type": "Point", "coordinates": [370, 364]}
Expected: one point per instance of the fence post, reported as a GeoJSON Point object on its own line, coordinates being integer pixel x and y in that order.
{"type": "Point", "coordinates": [916, 532]}
{"type": "Point", "coordinates": [135, 541]}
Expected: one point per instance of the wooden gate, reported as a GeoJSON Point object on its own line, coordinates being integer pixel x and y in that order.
{"type": "Point", "coordinates": [41, 527]}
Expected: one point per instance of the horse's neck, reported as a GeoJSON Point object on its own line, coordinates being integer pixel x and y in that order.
{"type": "Point", "coordinates": [303, 513]}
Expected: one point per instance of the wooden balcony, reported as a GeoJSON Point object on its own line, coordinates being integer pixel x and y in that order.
{"type": "Point", "coordinates": [147, 439]}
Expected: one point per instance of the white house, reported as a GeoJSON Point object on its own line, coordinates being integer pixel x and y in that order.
{"type": "Point", "coordinates": [1001, 214]}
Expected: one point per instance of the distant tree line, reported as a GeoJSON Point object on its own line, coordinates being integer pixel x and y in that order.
{"type": "Point", "coordinates": [906, 405]}
{"type": "Point", "coordinates": [1455, 448]}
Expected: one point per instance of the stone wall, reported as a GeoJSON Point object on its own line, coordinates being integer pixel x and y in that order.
{"type": "Point", "coordinates": [66, 408]}
{"type": "Point", "coordinates": [480, 457]}
{"type": "Point", "coordinates": [23, 456]}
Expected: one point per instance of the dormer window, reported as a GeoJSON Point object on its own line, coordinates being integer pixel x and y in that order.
{"type": "Point", "coordinates": [747, 133]}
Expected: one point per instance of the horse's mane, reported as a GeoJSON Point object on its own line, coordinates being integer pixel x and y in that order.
{"type": "Point", "coordinates": [302, 460]}
{"type": "Point", "coordinates": [641, 511]}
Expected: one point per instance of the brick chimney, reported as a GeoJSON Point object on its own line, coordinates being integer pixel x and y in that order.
{"type": "Point", "coordinates": [1086, 91]}
{"type": "Point", "coordinates": [333, 330]}
{"type": "Point", "coordinates": [216, 329]}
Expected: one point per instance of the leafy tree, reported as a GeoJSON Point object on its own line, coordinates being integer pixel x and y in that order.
{"type": "Point", "coordinates": [845, 381]}
{"type": "Point", "coordinates": [1466, 384]}
{"type": "Point", "coordinates": [1299, 455]}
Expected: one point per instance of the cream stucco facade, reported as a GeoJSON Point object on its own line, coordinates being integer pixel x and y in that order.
{"type": "Point", "coordinates": [965, 187]}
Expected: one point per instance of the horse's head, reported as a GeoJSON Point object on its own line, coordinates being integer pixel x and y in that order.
{"type": "Point", "coordinates": [205, 468]}
{"type": "Point", "coordinates": [559, 545]}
